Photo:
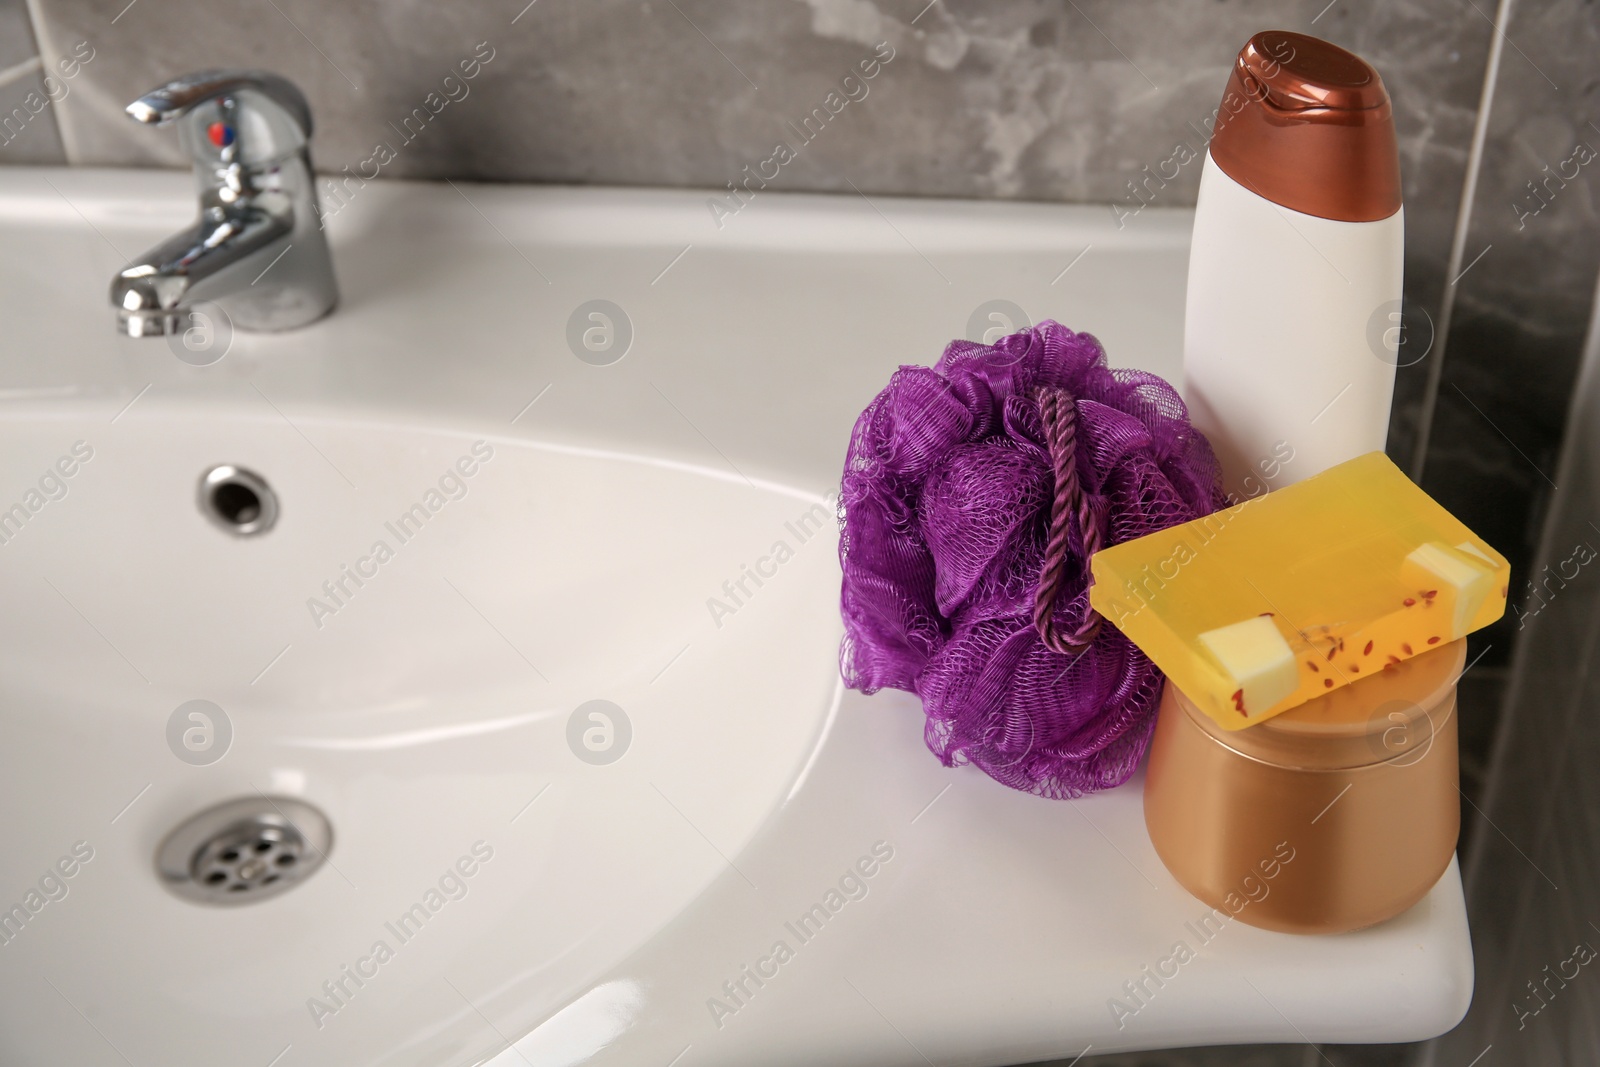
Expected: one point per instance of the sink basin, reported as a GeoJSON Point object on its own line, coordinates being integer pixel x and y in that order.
{"type": "Point", "coordinates": [425, 711]}
{"type": "Point", "coordinates": [546, 627]}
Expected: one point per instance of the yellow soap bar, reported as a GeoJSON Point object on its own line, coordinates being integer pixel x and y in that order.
{"type": "Point", "coordinates": [1260, 607]}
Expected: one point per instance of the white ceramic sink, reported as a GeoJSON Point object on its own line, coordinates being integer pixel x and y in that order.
{"type": "Point", "coordinates": [623, 912]}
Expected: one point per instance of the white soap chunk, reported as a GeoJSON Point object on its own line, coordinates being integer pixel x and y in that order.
{"type": "Point", "coordinates": [1258, 660]}
{"type": "Point", "coordinates": [1452, 580]}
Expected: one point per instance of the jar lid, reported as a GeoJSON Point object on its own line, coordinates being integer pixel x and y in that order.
{"type": "Point", "coordinates": [1393, 715]}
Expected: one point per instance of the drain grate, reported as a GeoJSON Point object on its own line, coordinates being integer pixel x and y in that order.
{"type": "Point", "coordinates": [244, 850]}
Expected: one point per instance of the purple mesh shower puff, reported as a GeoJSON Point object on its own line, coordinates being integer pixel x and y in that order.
{"type": "Point", "coordinates": [943, 515]}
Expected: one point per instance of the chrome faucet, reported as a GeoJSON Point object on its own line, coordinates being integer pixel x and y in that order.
{"type": "Point", "coordinates": [258, 250]}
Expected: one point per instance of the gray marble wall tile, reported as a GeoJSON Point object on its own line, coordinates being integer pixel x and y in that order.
{"type": "Point", "coordinates": [1504, 416]}
{"type": "Point", "coordinates": [16, 34]}
{"type": "Point", "coordinates": [1014, 98]}
{"type": "Point", "coordinates": [1533, 885]}
{"type": "Point", "coordinates": [1526, 286]}
{"type": "Point", "coordinates": [1480, 695]}
{"type": "Point", "coordinates": [28, 131]}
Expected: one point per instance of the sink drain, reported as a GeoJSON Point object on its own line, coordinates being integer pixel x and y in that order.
{"type": "Point", "coordinates": [244, 850]}
{"type": "Point", "coordinates": [237, 500]}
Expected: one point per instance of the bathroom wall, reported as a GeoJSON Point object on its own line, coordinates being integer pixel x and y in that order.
{"type": "Point", "coordinates": [1534, 885]}
{"type": "Point", "coordinates": [1523, 269]}
{"type": "Point", "coordinates": [28, 132]}
{"type": "Point", "coordinates": [1533, 882]}
{"type": "Point", "coordinates": [1055, 100]}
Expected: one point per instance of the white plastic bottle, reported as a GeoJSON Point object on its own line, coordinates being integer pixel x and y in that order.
{"type": "Point", "coordinates": [1292, 320]}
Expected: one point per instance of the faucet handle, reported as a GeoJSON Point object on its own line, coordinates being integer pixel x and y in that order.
{"type": "Point", "coordinates": [170, 101]}
{"type": "Point", "coordinates": [245, 116]}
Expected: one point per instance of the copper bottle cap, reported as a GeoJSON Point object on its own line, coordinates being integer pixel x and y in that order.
{"type": "Point", "coordinates": [1309, 126]}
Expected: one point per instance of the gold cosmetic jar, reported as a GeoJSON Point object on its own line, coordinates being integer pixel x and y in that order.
{"type": "Point", "coordinates": [1359, 788]}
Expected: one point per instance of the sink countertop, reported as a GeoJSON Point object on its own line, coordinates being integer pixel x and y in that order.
{"type": "Point", "coordinates": [1001, 932]}
{"type": "Point", "coordinates": [995, 927]}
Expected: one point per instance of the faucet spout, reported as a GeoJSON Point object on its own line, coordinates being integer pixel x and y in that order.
{"type": "Point", "coordinates": [192, 266]}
